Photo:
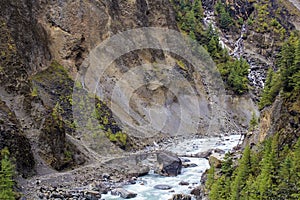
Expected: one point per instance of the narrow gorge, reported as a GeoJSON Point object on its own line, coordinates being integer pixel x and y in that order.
{"type": "Point", "coordinates": [147, 99]}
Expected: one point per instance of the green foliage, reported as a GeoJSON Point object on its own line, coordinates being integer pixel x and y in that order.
{"type": "Point", "coordinates": [227, 168]}
{"type": "Point", "coordinates": [224, 18]}
{"type": "Point", "coordinates": [189, 15]}
{"type": "Point", "coordinates": [270, 173]}
{"type": "Point", "coordinates": [253, 122]}
{"type": "Point", "coordinates": [241, 175]}
{"type": "Point", "coordinates": [235, 74]}
{"type": "Point", "coordinates": [34, 92]}
{"type": "Point", "coordinates": [117, 137]}
{"type": "Point", "coordinates": [237, 78]}
{"type": "Point", "coordinates": [210, 177]}
{"type": "Point", "coordinates": [271, 90]}
{"type": "Point", "coordinates": [6, 175]}
{"type": "Point", "coordinates": [181, 64]}
{"type": "Point", "coordinates": [287, 78]}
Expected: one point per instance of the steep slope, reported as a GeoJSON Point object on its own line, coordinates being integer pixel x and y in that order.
{"type": "Point", "coordinates": [54, 33]}
{"type": "Point", "coordinates": [44, 44]}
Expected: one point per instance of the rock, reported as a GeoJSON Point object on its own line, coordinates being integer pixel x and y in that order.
{"type": "Point", "coordinates": [169, 164]}
{"type": "Point", "coordinates": [123, 193]}
{"type": "Point", "coordinates": [181, 197]}
{"type": "Point", "coordinates": [213, 161]}
{"type": "Point", "coordinates": [196, 191]}
{"type": "Point", "coordinates": [162, 187]}
{"type": "Point", "coordinates": [92, 195]}
{"type": "Point", "coordinates": [193, 165]}
{"type": "Point", "coordinates": [204, 154]}
{"type": "Point", "coordinates": [13, 137]}
{"type": "Point", "coordinates": [199, 192]}
{"type": "Point", "coordinates": [185, 160]}
{"type": "Point", "coordinates": [105, 176]}
{"type": "Point", "coordinates": [103, 187]}
{"type": "Point", "coordinates": [140, 171]}
{"type": "Point", "coordinates": [183, 183]}
{"type": "Point", "coordinates": [56, 195]}
{"type": "Point", "coordinates": [220, 151]}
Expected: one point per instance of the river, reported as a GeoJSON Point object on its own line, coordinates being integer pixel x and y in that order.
{"type": "Point", "coordinates": [144, 186]}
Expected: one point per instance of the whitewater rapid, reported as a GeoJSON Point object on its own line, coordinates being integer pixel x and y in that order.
{"type": "Point", "coordinates": [144, 186]}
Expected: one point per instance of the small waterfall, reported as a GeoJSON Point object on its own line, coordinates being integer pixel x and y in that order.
{"type": "Point", "coordinates": [209, 18]}
{"type": "Point", "coordinates": [258, 64]}
{"type": "Point", "coordinates": [239, 44]}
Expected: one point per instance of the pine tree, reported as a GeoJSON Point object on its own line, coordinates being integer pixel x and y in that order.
{"type": "Point", "coordinates": [227, 168]}
{"type": "Point", "coordinates": [285, 184]}
{"type": "Point", "coordinates": [296, 170]}
{"type": "Point", "coordinates": [294, 79]}
{"type": "Point", "coordinates": [286, 62]}
{"type": "Point", "coordinates": [253, 122]}
{"type": "Point", "coordinates": [267, 178]}
{"type": "Point", "coordinates": [237, 78]}
{"type": "Point", "coordinates": [266, 98]}
{"type": "Point", "coordinates": [220, 190]}
{"type": "Point", "coordinates": [198, 10]}
{"type": "Point", "coordinates": [6, 175]}
{"type": "Point", "coordinates": [242, 174]}
{"type": "Point", "coordinates": [212, 47]}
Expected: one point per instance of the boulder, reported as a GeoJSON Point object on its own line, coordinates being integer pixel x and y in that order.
{"type": "Point", "coordinates": [181, 197]}
{"type": "Point", "coordinates": [92, 195]}
{"type": "Point", "coordinates": [199, 192]}
{"type": "Point", "coordinates": [183, 183]}
{"type": "Point", "coordinates": [168, 164]}
{"type": "Point", "coordinates": [186, 165]}
{"type": "Point", "coordinates": [204, 154]}
{"type": "Point", "coordinates": [193, 165]}
{"type": "Point", "coordinates": [125, 194]}
{"type": "Point", "coordinates": [138, 171]}
{"type": "Point", "coordinates": [162, 187]}
{"type": "Point", "coordinates": [196, 191]}
{"type": "Point", "coordinates": [185, 160]}
{"type": "Point", "coordinates": [220, 151]}
{"type": "Point", "coordinates": [213, 161]}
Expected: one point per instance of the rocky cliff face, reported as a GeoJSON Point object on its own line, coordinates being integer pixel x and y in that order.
{"type": "Point", "coordinates": [12, 136]}
{"type": "Point", "coordinates": [33, 33]}
{"type": "Point", "coordinates": [281, 118]}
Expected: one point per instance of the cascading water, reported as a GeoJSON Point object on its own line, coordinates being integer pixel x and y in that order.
{"type": "Point", "coordinates": [238, 51]}
{"type": "Point", "coordinates": [257, 72]}
{"type": "Point", "coordinates": [144, 186]}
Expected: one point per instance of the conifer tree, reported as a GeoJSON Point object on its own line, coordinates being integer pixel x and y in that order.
{"type": "Point", "coordinates": [6, 175]}
{"type": "Point", "coordinates": [198, 10]}
{"type": "Point", "coordinates": [296, 170]}
{"type": "Point", "coordinates": [242, 174]}
{"type": "Point", "coordinates": [294, 79]}
{"type": "Point", "coordinates": [253, 122]}
{"type": "Point", "coordinates": [286, 63]}
{"type": "Point", "coordinates": [227, 168]}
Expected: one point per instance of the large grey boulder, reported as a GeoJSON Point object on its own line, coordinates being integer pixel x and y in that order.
{"type": "Point", "coordinates": [168, 164]}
